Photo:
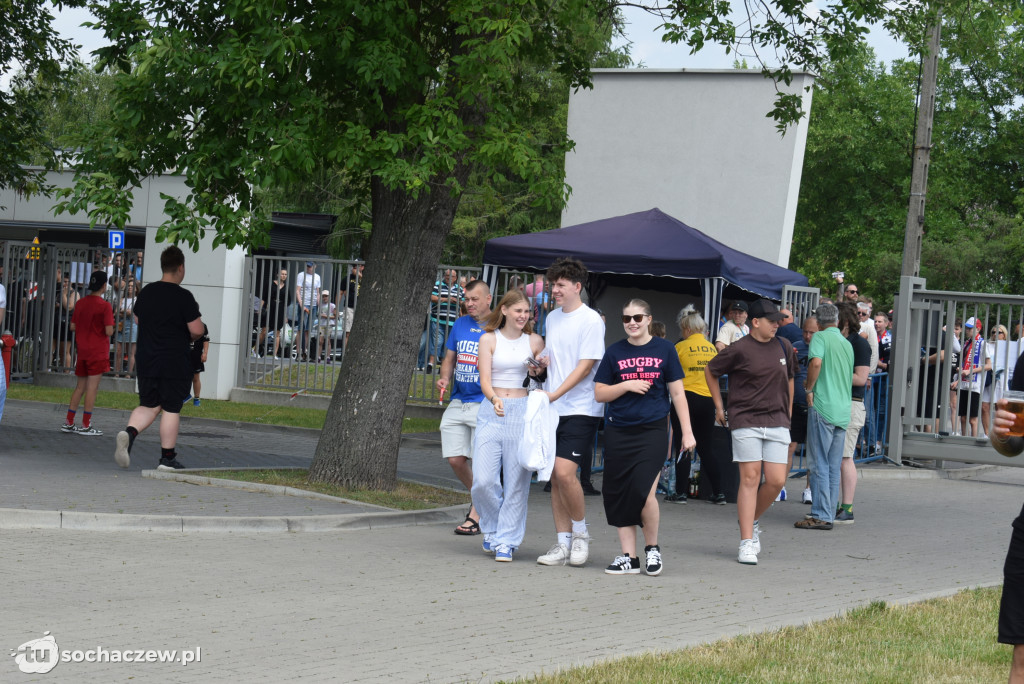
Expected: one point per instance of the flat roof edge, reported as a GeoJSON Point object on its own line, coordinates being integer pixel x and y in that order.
{"type": "Point", "coordinates": [681, 70]}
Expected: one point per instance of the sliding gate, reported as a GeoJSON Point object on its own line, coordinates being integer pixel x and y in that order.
{"type": "Point", "coordinates": [933, 357]}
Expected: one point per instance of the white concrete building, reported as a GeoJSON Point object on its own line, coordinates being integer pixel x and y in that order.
{"type": "Point", "coordinates": [696, 144]}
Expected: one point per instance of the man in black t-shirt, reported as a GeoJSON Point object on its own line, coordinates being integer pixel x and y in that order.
{"type": "Point", "coordinates": [169, 320]}
{"type": "Point", "coordinates": [347, 298]}
{"type": "Point", "coordinates": [849, 323]}
{"type": "Point", "coordinates": [1011, 605]}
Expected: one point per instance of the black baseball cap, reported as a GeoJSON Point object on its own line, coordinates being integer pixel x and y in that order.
{"type": "Point", "coordinates": [764, 308]}
{"type": "Point", "coordinates": [97, 280]}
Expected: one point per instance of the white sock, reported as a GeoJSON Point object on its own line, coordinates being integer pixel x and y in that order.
{"type": "Point", "coordinates": [579, 526]}
{"type": "Point", "coordinates": [565, 538]}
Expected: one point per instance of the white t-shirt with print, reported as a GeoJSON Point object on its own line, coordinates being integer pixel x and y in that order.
{"type": "Point", "coordinates": [729, 333]}
{"type": "Point", "coordinates": [572, 337]}
{"type": "Point", "coordinates": [309, 288]}
{"type": "Point", "coordinates": [867, 330]}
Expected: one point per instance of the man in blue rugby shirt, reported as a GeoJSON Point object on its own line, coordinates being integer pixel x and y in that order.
{"type": "Point", "coordinates": [459, 421]}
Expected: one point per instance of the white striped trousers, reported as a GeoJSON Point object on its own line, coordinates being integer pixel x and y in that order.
{"type": "Point", "coordinates": [496, 451]}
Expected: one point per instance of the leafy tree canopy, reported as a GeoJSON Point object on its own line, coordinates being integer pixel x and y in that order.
{"type": "Point", "coordinates": [241, 96]}
{"type": "Point", "coordinates": [854, 192]}
{"type": "Point", "coordinates": [34, 58]}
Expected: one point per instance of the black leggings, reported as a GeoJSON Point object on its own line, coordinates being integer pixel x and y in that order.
{"type": "Point", "coordinates": [702, 422]}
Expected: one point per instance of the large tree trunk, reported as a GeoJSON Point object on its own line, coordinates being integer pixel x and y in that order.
{"type": "Point", "coordinates": [359, 444]}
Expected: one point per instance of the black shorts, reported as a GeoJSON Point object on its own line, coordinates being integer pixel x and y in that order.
{"type": "Point", "coordinates": [968, 404]}
{"type": "Point", "coordinates": [798, 425]}
{"type": "Point", "coordinates": [574, 438]}
{"type": "Point", "coordinates": [167, 393]}
{"type": "Point", "coordinates": [1011, 606]}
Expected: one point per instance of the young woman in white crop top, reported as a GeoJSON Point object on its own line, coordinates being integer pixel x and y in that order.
{"type": "Point", "coordinates": [504, 350]}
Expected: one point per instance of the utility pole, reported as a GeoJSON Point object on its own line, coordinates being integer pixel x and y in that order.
{"type": "Point", "coordinates": [922, 150]}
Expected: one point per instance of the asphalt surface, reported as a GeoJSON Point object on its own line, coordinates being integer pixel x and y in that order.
{"type": "Point", "coordinates": [366, 598]}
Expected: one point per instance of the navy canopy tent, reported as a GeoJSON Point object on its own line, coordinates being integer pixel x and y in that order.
{"type": "Point", "coordinates": [646, 250]}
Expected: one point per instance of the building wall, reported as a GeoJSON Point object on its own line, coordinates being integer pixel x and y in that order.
{"type": "Point", "coordinates": [665, 306]}
{"type": "Point", "coordinates": [694, 143]}
{"type": "Point", "coordinates": [213, 275]}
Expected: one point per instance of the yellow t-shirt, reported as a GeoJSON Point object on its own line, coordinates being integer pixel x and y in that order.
{"type": "Point", "coordinates": [694, 353]}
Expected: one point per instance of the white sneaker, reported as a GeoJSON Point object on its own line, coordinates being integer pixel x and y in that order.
{"type": "Point", "coordinates": [70, 428]}
{"type": "Point", "coordinates": [89, 431]}
{"type": "Point", "coordinates": [558, 555]}
{"type": "Point", "coordinates": [757, 537]}
{"type": "Point", "coordinates": [121, 455]}
{"type": "Point", "coordinates": [580, 549]}
{"type": "Point", "coordinates": [806, 498]}
{"type": "Point", "coordinates": [747, 554]}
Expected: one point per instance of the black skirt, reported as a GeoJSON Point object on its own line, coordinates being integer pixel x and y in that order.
{"type": "Point", "coordinates": [633, 457]}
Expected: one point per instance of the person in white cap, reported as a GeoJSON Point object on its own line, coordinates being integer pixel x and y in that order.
{"type": "Point", "coordinates": [327, 324]}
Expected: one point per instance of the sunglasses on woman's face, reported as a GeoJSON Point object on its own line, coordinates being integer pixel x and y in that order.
{"type": "Point", "coordinates": [636, 318]}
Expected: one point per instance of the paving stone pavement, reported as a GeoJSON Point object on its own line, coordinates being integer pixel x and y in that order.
{"type": "Point", "coordinates": [45, 469]}
{"type": "Point", "coordinates": [415, 604]}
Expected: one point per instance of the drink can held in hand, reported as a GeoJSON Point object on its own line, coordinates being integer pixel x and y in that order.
{"type": "Point", "coordinates": [1015, 404]}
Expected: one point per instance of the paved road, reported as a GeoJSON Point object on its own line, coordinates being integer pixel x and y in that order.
{"type": "Point", "coordinates": [412, 604]}
{"type": "Point", "coordinates": [45, 469]}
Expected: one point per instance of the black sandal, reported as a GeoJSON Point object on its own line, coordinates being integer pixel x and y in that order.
{"type": "Point", "coordinates": [474, 527]}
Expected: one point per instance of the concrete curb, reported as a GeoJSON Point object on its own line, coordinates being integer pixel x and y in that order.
{"type": "Point", "coordinates": [897, 474]}
{"type": "Point", "coordinates": [281, 490]}
{"type": "Point", "coordinates": [20, 519]}
{"type": "Point", "coordinates": [413, 439]}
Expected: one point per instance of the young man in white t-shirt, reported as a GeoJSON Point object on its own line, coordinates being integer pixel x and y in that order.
{"type": "Point", "coordinates": [575, 344]}
{"type": "Point", "coordinates": [307, 289]}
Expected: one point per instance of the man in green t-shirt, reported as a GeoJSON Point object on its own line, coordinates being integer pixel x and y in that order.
{"type": "Point", "coordinates": [828, 385]}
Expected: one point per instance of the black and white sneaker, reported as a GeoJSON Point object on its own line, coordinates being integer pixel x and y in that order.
{"type": "Point", "coordinates": [69, 428]}
{"type": "Point", "coordinates": [653, 559]}
{"type": "Point", "coordinates": [170, 464]}
{"type": "Point", "coordinates": [624, 565]}
{"type": "Point", "coordinates": [89, 431]}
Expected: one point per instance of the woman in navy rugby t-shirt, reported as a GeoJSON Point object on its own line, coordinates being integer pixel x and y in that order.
{"type": "Point", "coordinates": [636, 378]}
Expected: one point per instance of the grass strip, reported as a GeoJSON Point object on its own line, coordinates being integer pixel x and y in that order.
{"type": "Point", "coordinates": [407, 496]}
{"type": "Point", "coordinates": [942, 640]}
{"type": "Point", "coordinates": [292, 416]}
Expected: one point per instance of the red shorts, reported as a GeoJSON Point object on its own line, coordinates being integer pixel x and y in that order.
{"type": "Point", "coordinates": [84, 369]}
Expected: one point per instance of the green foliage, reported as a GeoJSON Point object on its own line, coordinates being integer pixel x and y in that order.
{"type": "Point", "coordinates": [35, 58]}
{"type": "Point", "coordinates": [84, 99]}
{"type": "Point", "coordinates": [856, 175]}
{"type": "Point", "coordinates": [786, 35]}
{"type": "Point", "coordinates": [495, 202]}
{"type": "Point", "coordinates": [243, 97]}
{"type": "Point", "coordinates": [854, 192]}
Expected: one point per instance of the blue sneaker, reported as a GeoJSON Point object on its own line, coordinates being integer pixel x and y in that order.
{"type": "Point", "coordinates": [782, 494]}
{"type": "Point", "coordinates": [195, 402]}
{"type": "Point", "coordinates": [503, 553]}
{"type": "Point", "coordinates": [488, 549]}
{"type": "Point", "coordinates": [186, 400]}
